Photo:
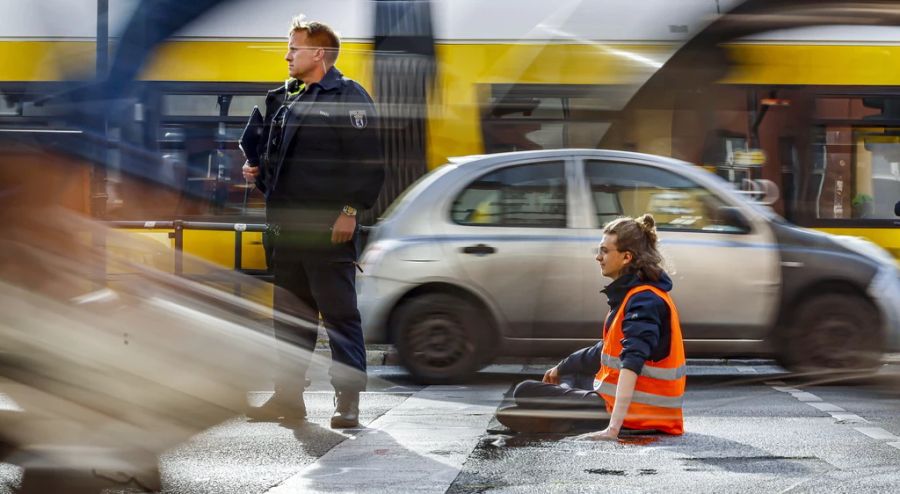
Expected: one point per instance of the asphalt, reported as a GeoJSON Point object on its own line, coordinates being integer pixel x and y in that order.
{"type": "Point", "coordinates": [751, 427]}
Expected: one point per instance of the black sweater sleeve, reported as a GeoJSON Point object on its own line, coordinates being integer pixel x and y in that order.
{"type": "Point", "coordinates": [584, 361]}
{"type": "Point", "coordinates": [641, 327]}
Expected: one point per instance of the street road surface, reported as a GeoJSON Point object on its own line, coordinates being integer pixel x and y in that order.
{"type": "Point", "coordinates": [750, 427]}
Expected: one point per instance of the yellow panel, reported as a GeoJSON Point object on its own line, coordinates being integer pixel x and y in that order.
{"type": "Point", "coordinates": [889, 238]}
{"type": "Point", "coordinates": [213, 246]}
{"type": "Point", "coordinates": [252, 254]}
{"type": "Point", "coordinates": [241, 61]}
{"type": "Point", "coordinates": [222, 61]}
{"type": "Point", "coordinates": [46, 60]}
{"type": "Point", "coordinates": [455, 123]}
{"type": "Point", "coordinates": [819, 64]}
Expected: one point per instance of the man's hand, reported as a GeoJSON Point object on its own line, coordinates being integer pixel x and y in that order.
{"type": "Point", "coordinates": [552, 376]}
{"type": "Point", "coordinates": [608, 434]}
{"type": "Point", "coordinates": [343, 229]}
{"type": "Point", "coordinates": [250, 171]}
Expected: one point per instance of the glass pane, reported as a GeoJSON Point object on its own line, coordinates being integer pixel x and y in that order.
{"type": "Point", "coordinates": [191, 105]}
{"type": "Point", "coordinates": [242, 105]}
{"type": "Point", "coordinates": [522, 136]}
{"type": "Point", "coordinates": [586, 135]}
{"type": "Point", "coordinates": [876, 173]}
{"type": "Point", "coordinates": [532, 195]}
{"type": "Point", "coordinates": [676, 203]}
{"type": "Point", "coordinates": [523, 107]}
{"type": "Point", "coordinates": [10, 104]}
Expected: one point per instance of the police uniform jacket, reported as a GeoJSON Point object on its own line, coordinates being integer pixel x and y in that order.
{"type": "Point", "coordinates": [321, 151]}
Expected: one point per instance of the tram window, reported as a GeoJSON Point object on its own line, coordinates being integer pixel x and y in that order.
{"type": "Point", "coordinates": [9, 105]}
{"type": "Point", "coordinates": [676, 203]}
{"type": "Point", "coordinates": [190, 104]}
{"type": "Point", "coordinates": [528, 117]}
{"type": "Point", "coordinates": [539, 108]}
{"type": "Point", "coordinates": [876, 173]}
{"type": "Point", "coordinates": [242, 105]}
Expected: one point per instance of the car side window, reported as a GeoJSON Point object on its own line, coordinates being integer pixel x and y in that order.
{"type": "Point", "coordinates": [676, 203]}
{"type": "Point", "coordinates": [530, 195]}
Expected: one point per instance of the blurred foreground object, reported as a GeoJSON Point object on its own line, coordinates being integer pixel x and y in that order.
{"type": "Point", "coordinates": [110, 361]}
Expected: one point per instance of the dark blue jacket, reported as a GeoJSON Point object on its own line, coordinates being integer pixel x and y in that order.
{"type": "Point", "coordinates": [322, 151]}
{"type": "Point", "coordinates": [646, 327]}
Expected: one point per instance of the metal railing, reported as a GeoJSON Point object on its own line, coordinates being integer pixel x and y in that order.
{"type": "Point", "coordinates": [178, 228]}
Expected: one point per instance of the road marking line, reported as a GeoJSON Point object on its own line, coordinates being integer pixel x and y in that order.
{"type": "Point", "coordinates": [894, 444]}
{"type": "Point", "coordinates": [746, 368]}
{"type": "Point", "coordinates": [849, 418]}
{"type": "Point", "coordinates": [804, 396]}
{"type": "Point", "coordinates": [826, 407]}
{"type": "Point", "coordinates": [784, 389]}
{"type": "Point", "coordinates": [876, 433]}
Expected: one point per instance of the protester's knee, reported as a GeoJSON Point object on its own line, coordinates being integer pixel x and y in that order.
{"type": "Point", "coordinates": [524, 388]}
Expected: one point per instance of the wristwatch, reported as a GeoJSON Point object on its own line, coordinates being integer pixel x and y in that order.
{"type": "Point", "coordinates": [349, 210]}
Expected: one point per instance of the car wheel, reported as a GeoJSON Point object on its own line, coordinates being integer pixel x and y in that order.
{"type": "Point", "coordinates": [439, 337]}
{"type": "Point", "coordinates": [833, 332]}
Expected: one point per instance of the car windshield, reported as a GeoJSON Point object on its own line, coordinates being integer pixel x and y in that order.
{"type": "Point", "coordinates": [420, 184]}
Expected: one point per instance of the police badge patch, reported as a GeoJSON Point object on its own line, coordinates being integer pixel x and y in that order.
{"type": "Point", "coordinates": [358, 119]}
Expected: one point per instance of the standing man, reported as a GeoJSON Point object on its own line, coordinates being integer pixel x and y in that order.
{"type": "Point", "coordinates": [321, 164]}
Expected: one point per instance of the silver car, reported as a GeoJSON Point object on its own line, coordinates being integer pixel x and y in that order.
{"type": "Point", "coordinates": [494, 255]}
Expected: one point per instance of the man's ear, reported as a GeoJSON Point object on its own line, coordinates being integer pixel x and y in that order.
{"type": "Point", "coordinates": [627, 257]}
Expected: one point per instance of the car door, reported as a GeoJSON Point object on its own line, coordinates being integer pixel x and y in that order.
{"type": "Point", "coordinates": [725, 269]}
{"type": "Point", "coordinates": [510, 234]}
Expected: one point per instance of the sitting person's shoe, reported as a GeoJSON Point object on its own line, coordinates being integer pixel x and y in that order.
{"type": "Point", "coordinates": [530, 420]}
{"type": "Point", "coordinates": [346, 411]}
{"type": "Point", "coordinates": [279, 407]}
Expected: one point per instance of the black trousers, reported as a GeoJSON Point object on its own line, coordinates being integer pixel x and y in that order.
{"type": "Point", "coordinates": [568, 406]}
{"type": "Point", "coordinates": [313, 281]}
{"type": "Point", "coordinates": [575, 392]}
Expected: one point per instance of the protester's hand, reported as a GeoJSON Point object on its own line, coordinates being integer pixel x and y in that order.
{"type": "Point", "coordinates": [608, 434]}
{"type": "Point", "coordinates": [343, 229]}
{"type": "Point", "coordinates": [250, 171]}
{"type": "Point", "coordinates": [552, 376]}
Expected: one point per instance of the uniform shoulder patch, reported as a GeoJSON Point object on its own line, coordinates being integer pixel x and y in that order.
{"type": "Point", "coordinates": [358, 119]}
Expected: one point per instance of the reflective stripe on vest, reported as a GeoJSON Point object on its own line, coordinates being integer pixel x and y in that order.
{"type": "Point", "coordinates": [644, 397]}
{"type": "Point", "coordinates": [663, 374]}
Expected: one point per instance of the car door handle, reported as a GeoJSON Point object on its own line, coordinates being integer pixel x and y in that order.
{"type": "Point", "coordinates": [480, 249]}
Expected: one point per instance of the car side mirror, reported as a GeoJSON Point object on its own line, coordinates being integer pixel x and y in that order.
{"type": "Point", "coordinates": [732, 217]}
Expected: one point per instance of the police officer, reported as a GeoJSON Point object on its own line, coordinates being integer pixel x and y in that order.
{"type": "Point", "coordinates": [321, 164]}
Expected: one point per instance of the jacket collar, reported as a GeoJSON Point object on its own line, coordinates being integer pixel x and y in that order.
{"type": "Point", "coordinates": [617, 290]}
{"type": "Point", "coordinates": [331, 80]}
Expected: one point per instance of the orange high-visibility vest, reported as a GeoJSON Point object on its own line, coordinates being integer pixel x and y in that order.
{"type": "Point", "coordinates": [659, 391]}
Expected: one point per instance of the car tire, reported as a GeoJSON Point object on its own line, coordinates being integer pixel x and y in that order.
{"type": "Point", "coordinates": [833, 332]}
{"type": "Point", "coordinates": [440, 337]}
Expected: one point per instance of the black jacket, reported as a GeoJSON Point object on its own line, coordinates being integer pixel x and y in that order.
{"type": "Point", "coordinates": [321, 151]}
{"type": "Point", "coordinates": [646, 327]}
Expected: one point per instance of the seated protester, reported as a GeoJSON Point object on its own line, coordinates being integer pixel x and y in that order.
{"type": "Point", "coordinates": [634, 378]}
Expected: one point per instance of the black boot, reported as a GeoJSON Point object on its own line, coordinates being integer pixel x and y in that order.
{"type": "Point", "coordinates": [346, 411]}
{"type": "Point", "coordinates": [282, 405]}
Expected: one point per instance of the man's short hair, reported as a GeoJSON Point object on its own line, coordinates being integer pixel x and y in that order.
{"type": "Point", "coordinates": [319, 34]}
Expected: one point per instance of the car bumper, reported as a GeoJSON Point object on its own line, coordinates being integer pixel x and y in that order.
{"type": "Point", "coordinates": [885, 290]}
{"type": "Point", "coordinates": [375, 298]}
